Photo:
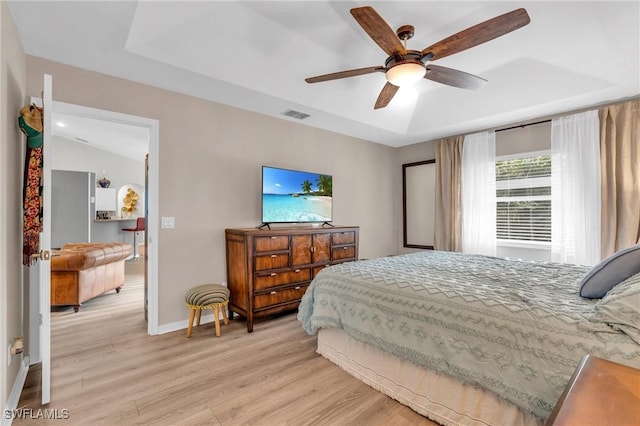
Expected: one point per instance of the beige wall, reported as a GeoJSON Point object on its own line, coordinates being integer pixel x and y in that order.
{"type": "Point", "coordinates": [532, 138]}
{"type": "Point", "coordinates": [210, 172]}
{"type": "Point", "coordinates": [76, 156]}
{"type": "Point", "coordinates": [13, 89]}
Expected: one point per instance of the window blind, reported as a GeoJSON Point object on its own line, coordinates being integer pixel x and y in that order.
{"type": "Point", "coordinates": [523, 196]}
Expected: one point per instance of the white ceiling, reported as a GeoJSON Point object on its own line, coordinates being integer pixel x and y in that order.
{"type": "Point", "coordinates": [118, 138]}
{"type": "Point", "coordinates": [256, 55]}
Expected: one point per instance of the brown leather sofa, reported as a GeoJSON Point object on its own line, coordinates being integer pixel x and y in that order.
{"type": "Point", "coordinates": [82, 271]}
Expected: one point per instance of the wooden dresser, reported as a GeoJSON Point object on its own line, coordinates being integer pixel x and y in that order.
{"type": "Point", "coordinates": [268, 271]}
{"type": "Point", "coordinates": [600, 393]}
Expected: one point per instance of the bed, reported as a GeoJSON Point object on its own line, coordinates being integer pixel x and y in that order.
{"type": "Point", "coordinates": [468, 339]}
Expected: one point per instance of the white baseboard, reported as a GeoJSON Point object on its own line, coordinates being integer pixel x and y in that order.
{"type": "Point", "coordinates": [16, 390]}
{"type": "Point", "coordinates": [182, 325]}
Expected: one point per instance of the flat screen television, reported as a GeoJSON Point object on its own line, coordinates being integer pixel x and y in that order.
{"type": "Point", "coordinates": [294, 196]}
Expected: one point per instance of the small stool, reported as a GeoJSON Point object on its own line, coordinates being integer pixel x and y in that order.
{"type": "Point", "coordinates": [207, 296]}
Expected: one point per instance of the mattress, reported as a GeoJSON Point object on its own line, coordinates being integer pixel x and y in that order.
{"type": "Point", "coordinates": [515, 328]}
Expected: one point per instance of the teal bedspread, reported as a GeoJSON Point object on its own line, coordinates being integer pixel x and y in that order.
{"type": "Point", "coordinates": [517, 328]}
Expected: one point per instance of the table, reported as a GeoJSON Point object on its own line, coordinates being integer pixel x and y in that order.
{"type": "Point", "coordinates": [600, 393]}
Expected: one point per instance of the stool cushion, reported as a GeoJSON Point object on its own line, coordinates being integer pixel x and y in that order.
{"type": "Point", "coordinates": [207, 294]}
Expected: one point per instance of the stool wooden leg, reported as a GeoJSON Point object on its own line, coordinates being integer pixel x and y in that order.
{"type": "Point", "coordinates": [216, 314]}
{"type": "Point", "coordinates": [191, 315]}
{"type": "Point", "coordinates": [224, 315]}
{"type": "Point", "coordinates": [198, 317]}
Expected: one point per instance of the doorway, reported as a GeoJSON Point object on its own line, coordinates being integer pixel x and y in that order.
{"type": "Point", "coordinates": [152, 127]}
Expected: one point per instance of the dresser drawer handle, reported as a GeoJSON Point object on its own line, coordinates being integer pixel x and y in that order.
{"type": "Point", "coordinates": [297, 270]}
{"type": "Point", "coordinates": [273, 274]}
{"type": "Point", "coordinates": [345, 248]}
{"type": "Point", "coordinates": [273, 238]}
{"type": "Point", "coordinates": [273, 256]}
{"type": "Point", "coordinates": [273, 292]}
{"type": "Point", "coordinates": [297, 288]}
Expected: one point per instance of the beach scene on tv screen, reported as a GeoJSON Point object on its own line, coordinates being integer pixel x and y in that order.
{"type": "Point", "coordinates": [295, 196]}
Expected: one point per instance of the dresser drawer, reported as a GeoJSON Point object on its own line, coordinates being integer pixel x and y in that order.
{"type": "Point", "coordinates": [271, 261]}
{"type": "Point", "coordinates": [272, 243]}
{"type": "Point", "coordinates": [348, 237]}
{"type": "Point", "coordinates": [277, 297]}
{"type": "Point", "coordinates": [345, 252]}
{"type": "Point", "coordinates": [281, 278]}
{"type": "Point", "coordinates": [317, 269]}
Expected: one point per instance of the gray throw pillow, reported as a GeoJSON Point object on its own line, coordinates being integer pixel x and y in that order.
{"type": "Point", "coordinates": [610, 272]}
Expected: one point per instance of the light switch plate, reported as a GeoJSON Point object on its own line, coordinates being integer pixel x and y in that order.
{"type": "Point", "coordinates": [168, 222]}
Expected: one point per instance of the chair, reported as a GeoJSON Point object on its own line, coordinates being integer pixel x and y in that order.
{"type": "Point", "coordinates": [139, 227]}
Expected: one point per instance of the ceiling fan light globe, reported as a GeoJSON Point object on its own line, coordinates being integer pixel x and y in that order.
{"type": "Point", "coordinates": [405, 74]}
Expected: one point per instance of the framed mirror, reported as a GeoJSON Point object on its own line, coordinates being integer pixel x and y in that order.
{"type": "Point", "coordinates": [418, 204]}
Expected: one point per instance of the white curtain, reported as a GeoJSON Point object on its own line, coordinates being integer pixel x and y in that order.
{"type": "Point", "coordinates": [575, 189]}
{"type": "Point", "coordinates": [479, 194]}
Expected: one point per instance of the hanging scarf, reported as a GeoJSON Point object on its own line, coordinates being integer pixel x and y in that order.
{"type": "Point", "coordinates": [30, 122]}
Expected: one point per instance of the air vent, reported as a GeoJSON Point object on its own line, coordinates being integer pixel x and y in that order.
{"type": "Point", "coordinates": [296, 114]}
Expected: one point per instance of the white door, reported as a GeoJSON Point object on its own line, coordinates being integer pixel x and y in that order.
{"type": "Point", "coordinates": [40, 273]}
{"type": "Point", "coordinates": [43, 265]}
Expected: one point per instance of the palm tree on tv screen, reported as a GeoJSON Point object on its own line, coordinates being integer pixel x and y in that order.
{"type": "Point", "coordinates": [324, 185]}
{"type": "Point", "coordinates": [306, 186]}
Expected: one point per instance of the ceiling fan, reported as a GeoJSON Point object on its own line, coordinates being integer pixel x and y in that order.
{"type": "Point", "coordinates": [404, 66]}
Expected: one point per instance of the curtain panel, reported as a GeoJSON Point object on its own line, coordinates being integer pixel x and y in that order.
{"type": "Point", "coordinates": [448, 212]}
{"type": "Point", "coordinates": [575, 189]}
{"type": "Point", "coordinates": [620, 163]}
{"type": "Point", "coordinates": [479, 194]}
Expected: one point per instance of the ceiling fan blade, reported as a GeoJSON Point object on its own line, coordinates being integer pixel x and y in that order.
{"type": "Point", "coordinates": [454, 78]}
{"type": "Point", "coordinates": [378, 30]}
{"type": "Point", "coordinates": [343, 74]}
{"type": "Point", "coordinates": [478, 34]}
{"type": "Point", "coordinates": [386, 94]}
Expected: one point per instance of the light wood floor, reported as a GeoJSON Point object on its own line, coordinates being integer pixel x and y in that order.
{"type": "Point", "coordinates": [107, 370]}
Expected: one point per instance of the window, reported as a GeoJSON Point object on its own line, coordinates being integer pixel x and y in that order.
{"type": "Point", "coordinates": [523, 196]}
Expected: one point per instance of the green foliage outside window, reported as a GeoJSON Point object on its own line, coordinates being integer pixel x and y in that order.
{"type": "Point", "coordinates": [523, 207]}
{"type": "Point", "coordinates": [523, 168]}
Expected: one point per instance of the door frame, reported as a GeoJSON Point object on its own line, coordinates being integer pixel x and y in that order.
{"type": "Point", "coordinates": [153, 126]}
